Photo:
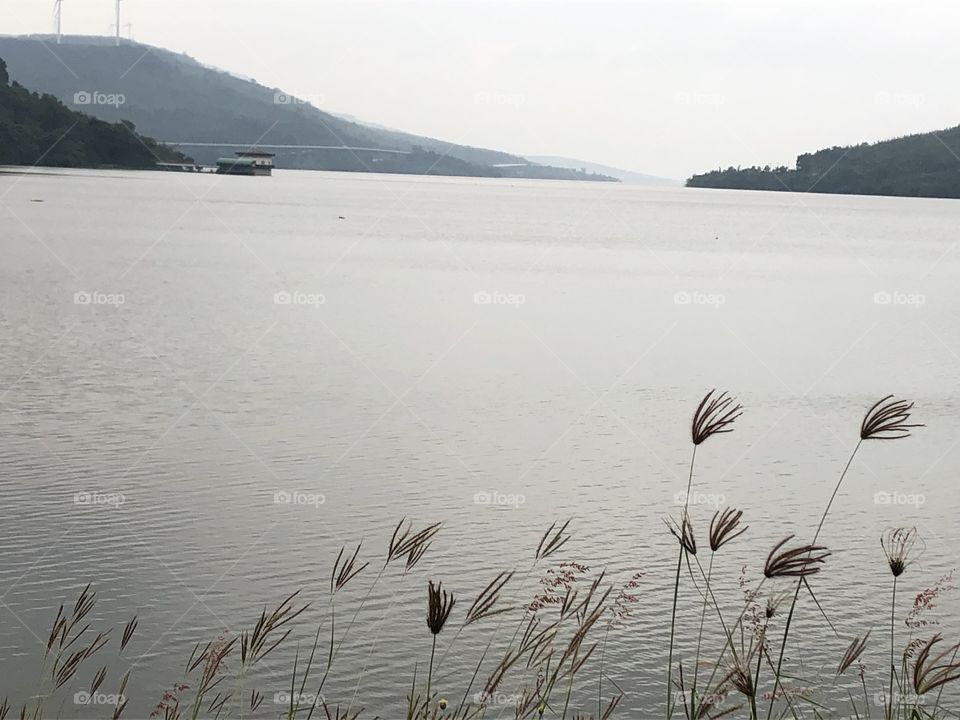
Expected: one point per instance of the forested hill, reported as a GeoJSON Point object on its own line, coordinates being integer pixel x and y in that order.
{"type": "Point", "coordinates": [175, 98]}
{"type": "Point", "coordinates": [41, 130]}
{"type": "Point", "coordinates": [923, 165]}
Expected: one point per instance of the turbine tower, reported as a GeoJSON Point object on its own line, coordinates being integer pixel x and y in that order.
{"type": "Point", "coordinates": [118, 22]}
{"type": "Point", "coordinates": [57, 14]}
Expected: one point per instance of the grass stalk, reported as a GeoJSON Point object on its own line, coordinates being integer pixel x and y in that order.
{"type": "Point", "coordinates": [893, 606]}
{"type": "Point", "coordinates": [433, 650]}
{"type": "Point", "coordinates": [603, 652]}
{"type": "Point", "coordinates": [796, 593]}
{"type": "Point", "coordinates": [360, 607]}
{"type": "Point", "coordinates": [696, 664]}
{"type": "Point", "coordinates": [676, 593]}
{"type": "Point", "coordinates": [756, 676]}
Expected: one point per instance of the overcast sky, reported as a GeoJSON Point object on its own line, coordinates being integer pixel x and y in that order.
{"type": "Point", "coordinates": [667, 88]}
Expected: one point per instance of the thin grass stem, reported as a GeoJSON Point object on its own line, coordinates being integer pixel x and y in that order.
{"type": "Point", "coordinates": [796, 593]}
{"type": "Point", "coordinates": [676, 592]}
{"type": "Point", "coordinates": [696, 664]}
{"type": "Point", "coordinates": [893, 606]}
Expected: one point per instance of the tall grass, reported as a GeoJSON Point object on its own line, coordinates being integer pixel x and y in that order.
{"type": "Point", "coordinates": [554, 661]}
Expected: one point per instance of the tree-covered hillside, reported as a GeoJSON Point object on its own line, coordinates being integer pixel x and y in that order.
{"type": "Point", "coordinates": [41, 130]}
{"type": "Point", "coordinates": [923, 165]}
{"type": "Point", "coordinates": [175, 98]}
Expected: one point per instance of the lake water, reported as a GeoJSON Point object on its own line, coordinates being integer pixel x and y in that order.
{"type": "Point", "coordinates": [176, 350]}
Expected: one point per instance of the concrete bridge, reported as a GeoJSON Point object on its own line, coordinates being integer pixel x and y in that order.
{"type": "Point", "coordinates": [259, 146]}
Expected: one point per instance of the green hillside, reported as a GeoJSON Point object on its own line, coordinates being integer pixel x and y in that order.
{"type": "Point", "coordinates": [922, 165]}
{"type": "Point", "coordinates": [40, 130]}
{"type": "Point", "coordinates": [175, 98]}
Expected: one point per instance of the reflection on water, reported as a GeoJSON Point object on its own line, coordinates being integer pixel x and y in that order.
{"type": "Point", "coordinates": [209, 384]}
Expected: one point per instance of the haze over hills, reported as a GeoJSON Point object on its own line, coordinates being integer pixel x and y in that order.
{"type": "Point", "coordinates": [921, 165]}
{"type": "Point", "coordinates": [625, 176]}
{"type": "Point", "coordinates": [177, 99]}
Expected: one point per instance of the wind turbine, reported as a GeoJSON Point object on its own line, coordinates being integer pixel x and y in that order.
{"type": "Point", "coordinates": [118, 23]}
{"type": "Point", "coordinates": [57, 14]}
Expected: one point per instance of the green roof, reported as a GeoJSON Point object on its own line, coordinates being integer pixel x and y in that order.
{"type": "Point", "coordinates": [242, 162]}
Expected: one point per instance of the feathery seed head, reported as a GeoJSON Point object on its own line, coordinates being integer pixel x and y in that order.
{"type": "Point", "coordinates": [887, 420]}
{"type": "Point", "coordinates": [897, 544]}
{"type": "Point", "coordinates": [798, 562]}
{"type": "Point", "coordinates": [723, 527]}
{"type": "Point", "coordinates": [714, 415]}
{"type": "Point", "coordinates": [683, 532]}
{"type": "Point", "coordinates": [854, 651]}
{"type": "Point", "coordinates": [439, 605]}
{"type": "Point", "coordinates": [929, 674]}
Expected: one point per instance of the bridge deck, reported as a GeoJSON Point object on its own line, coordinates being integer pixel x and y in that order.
{"type": "Point", "coordinates": [287, 147]}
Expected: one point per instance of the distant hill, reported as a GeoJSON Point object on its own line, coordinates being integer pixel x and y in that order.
{"type": "Point", "coordinates": [922, 165]}
{"type": "Point", "coordinates": [625, 176]}
{"type": "Point", "coordinates": [40, 130]}
{"type": "Point", "coordinates": [176, 98]}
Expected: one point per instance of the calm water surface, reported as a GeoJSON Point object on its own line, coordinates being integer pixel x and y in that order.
{"type": "Point", "coordinates": [176, 351]}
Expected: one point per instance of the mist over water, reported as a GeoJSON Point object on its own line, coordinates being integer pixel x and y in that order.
{"type": "Point", "coordinates": [209, 384]}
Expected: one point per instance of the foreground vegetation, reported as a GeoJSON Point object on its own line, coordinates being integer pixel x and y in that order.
{"type": "Point", "coordinates": [41, 130]}
{"type": "Point", "coordinates": [923, 165]}
{"type": "Point", "coordinates": [552, 648]}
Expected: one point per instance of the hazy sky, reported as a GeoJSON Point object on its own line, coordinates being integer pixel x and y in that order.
{"type": "Point", "coordinates": [667, 88]}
